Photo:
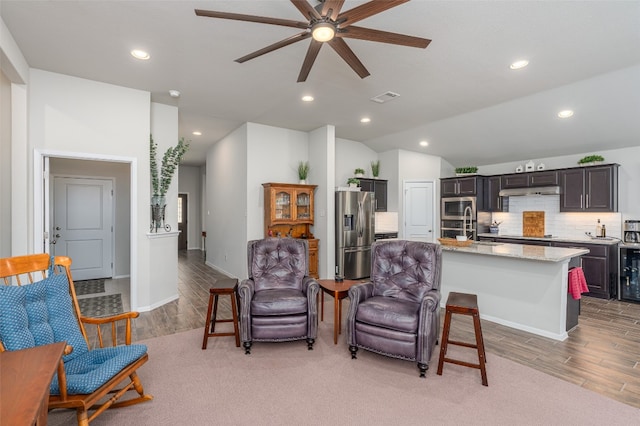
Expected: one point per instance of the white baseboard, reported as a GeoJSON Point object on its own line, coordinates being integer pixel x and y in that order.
{"type": "Point", "coordinates": [157, 304]}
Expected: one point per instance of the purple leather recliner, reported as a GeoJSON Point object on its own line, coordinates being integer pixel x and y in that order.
{"type": "Point", "coordinates": [278, 302]}
{"type": "Point", "coordinates": [397, 313]}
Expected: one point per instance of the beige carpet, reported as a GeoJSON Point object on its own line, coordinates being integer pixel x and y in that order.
{"type": "Point", "coordinates": [285, 384]}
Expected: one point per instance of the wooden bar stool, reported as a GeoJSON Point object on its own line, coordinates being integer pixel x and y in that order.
{"type": "Point", "coordinates": [221, 288]}
{"type": "Point", "coordinates": [465, 304]}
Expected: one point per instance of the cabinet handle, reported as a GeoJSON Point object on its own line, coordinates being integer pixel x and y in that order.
{"type": "Point", "coordinates": [580, 200]}
{"type": "Point", "coordinates": [499, 204]}
{"type": "Point", "coordinates": [587, 204]}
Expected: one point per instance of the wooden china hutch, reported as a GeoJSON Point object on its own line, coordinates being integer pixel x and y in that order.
{"type": "Point", "coordinates": [288, 212]}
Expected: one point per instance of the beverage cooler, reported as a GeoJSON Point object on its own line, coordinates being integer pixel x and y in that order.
{"type": "Point", "coordinates": [629, 282]}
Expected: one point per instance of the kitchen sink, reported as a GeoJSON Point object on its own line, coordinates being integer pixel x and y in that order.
{"type": "Point", "coordinates": [487, 243]}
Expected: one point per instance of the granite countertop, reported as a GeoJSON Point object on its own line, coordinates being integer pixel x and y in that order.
{"type": "Point", "coordinates": [519, 251]}
{"type": "Point", "coordinates": [583, 240]}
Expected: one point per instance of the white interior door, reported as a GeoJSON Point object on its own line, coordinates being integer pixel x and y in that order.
{"type": "Point", "coordinates": [418, 211]}
{"type": "Point", "coordinates": [82, 225]}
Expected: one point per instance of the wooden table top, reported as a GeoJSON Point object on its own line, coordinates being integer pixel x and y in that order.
{"type": "Point", "coordinates": [333, 285]}
{"type": "Point", "coordinates": [25, 377]}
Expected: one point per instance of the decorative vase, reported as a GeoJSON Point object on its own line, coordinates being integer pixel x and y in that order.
{"type": "Point", "coordinates": [158, 206]}
{"type": "Point", "coordinates": [303, 182]}
{"type": "Point", "coordinates": [359, 175]}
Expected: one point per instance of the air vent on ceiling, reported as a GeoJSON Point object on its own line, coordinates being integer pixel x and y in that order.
{"type": "Point", "coordinates": [385, 97]}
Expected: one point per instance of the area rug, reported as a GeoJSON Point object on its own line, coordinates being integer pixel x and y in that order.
{"type": "Point", "coordinates": [89, 286]}
{"type": "Point", "coordinates": [101, 305]}
{"type": "Point", "coordinates": [286, 384]}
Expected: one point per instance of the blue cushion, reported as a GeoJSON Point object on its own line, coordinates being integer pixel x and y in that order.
{"type": "Point", "coordinates": [88, 372]}
{"type": "Point", "coordinates": [38, 314]}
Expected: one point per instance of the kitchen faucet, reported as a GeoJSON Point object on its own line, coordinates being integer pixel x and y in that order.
{"type": "Point", "coordinates": [466, 231]}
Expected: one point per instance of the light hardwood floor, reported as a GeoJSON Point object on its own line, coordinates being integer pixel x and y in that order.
{"type": "Point", "coordinates": [602, 353]}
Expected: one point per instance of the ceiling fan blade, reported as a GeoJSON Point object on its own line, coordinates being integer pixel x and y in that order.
{"type": "Point", "coordinates": [275, 46]}
{"type": "Point", "coordinates": [363, 11]}
{"type": "Point", "coordinates": [251, 18]}
{"type": "Point", "coordinates": [309, 12]}
{"type": "Point", "coordinates": [349, 57]}
{"type": "Point", "coordinates": [383, 37]}
{"type": "Point", "coordinates": [309, 59]}
{"type": "Point", "coordinates": [332, 5]}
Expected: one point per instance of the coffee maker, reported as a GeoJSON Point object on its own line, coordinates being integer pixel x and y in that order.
{"type": "Point", "coordinates": [631, 231]}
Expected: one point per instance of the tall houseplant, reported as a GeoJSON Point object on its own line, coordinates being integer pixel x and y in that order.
{"type": "Point", "coordinates": [160, 181]}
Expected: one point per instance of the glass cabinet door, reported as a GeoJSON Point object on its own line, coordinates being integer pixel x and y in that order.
{"type": "Point", "coordinates": [283, 205]}
{"type": "Point", "coordinates": [303, 205]}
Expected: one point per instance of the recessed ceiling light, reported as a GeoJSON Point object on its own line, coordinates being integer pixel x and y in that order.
{"type": "Point", "coordinates": [197, 133]}
{"type": "Point", "coordinates": [565, 113]}
{"type": "Point", "coordinates": [519, 64]}
{"type": "Point", "coordinates": [365, 120]}
{"type": "Point", "coordinates": [424, 143]}
{"type": "Point", "coordinates": [174, 93]}
{"type": "Point", "coordinates": [307, 98]}
{"type": "Point", "coordinates": [140, 54]}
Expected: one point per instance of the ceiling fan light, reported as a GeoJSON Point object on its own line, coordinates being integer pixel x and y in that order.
{"type": "Point", "coordinates": [323, 31]}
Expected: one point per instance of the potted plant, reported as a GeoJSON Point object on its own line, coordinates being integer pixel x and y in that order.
{"type": "Point", "coordinates": [591, 159]}
{"type": "Point", "coordinates": [375, 168]}
{"type": "Point", "coordinates": [303, 171]}
{"type": "Point", "coordinates": [353, 182]}
{"type": "Point", "coordinates": [161, 181]}
{"type": "Point", "coordinates": [359, 172]}
{"type": "Point", "coordinates": [468, 170]}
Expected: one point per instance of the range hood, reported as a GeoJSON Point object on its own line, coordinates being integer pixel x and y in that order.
{"type": "Point", "coordinates": [539, 190]}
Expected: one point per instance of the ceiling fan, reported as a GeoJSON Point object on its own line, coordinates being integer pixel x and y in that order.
{"type": "Point", "coordinates": [326, 24]}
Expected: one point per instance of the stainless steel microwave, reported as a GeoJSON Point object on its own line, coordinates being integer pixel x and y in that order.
{"type": "Point", "coordinates": [454, 208]}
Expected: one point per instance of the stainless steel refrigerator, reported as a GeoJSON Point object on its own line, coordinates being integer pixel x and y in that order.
{"type": "Point", "coordinates": [355, 222]}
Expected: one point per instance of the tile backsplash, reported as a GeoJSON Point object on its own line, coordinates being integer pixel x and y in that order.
{"type": "Point", "coordinates": [386, 222]}
{"type": "Point", "coordinates": [560, 224]}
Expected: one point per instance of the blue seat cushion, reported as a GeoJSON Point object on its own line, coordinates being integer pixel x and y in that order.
{"type": "Point", "coordinates": [389, 312]}
{"type": "Point", "coordinates": [88, 372]}
{"type": "Point", "coordinates": [39, 314]}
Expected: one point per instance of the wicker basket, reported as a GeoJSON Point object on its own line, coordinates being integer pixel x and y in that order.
{"type": "Point", "coordinates": [454, 242]}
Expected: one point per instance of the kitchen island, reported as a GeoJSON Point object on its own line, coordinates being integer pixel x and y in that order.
{"type": "Point", "coordinates": [518, 285]}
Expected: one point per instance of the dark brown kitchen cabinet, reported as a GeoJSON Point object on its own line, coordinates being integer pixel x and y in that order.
{"type": "Point", "coordinates": [454, 187]}
{"type": "Point", "coordinates": [379, 188]}
{"type": "Point", "coordinates": [525, 180]}
{"type": "Point", "coordinates": [599, 267]}
{"type": "Point", "coordinates": [493, 201]}
{"type": "Point", "coordinates": [589, 189]}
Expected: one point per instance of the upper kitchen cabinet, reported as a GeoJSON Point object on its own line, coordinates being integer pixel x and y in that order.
{"type": "Point", "coordinates": [379, 188]}
{"type": "Point", "coordinates": [493, 201]}
{"type": "Point", "coordinates": [455, 187]}
{"type": "Point", "coordinates": [525, 180]}
{"type": "Point", "coordinates": [589, 189]}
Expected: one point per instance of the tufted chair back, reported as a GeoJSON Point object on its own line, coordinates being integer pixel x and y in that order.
{"type": "Point", "coordinates": [405, 269]}
{"type": "Point", "coordinates": [277, 263]}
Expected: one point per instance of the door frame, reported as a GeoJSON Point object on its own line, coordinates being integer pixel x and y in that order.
{"type": "Point", "coordinates": [41, 210]}
{"type": "Point", "coordinates": [434, 218]}
{"type": "Point", "coordinates": [185, 217]}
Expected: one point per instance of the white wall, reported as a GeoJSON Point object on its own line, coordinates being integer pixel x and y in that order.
{"type": "Point", "coordinates": [5, 166]}
{"type": "Point", "coordinates": [351, 155]}
{"type": "Point", "coordinates": [226, 204]}
{"type": "Point", "coordinates": [70, 115]}
{"type": "Point", "coordinates": [190, 182]}
{"type": "Point", "coordinates": [322, 147]}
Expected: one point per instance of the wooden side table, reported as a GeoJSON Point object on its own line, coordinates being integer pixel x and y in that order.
{"type": "Point", "coordinates": [25, 378]}
{"type": "Point", "coordinates": [339, 290]}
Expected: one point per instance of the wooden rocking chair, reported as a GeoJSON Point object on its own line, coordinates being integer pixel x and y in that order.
{"type": "Point", "coordinates": [41, 308]}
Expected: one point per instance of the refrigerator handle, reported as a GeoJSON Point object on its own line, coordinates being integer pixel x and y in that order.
{"type": "Point", "coordinates": [359, 220]}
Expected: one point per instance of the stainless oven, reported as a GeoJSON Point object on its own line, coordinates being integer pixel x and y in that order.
{"type": "Point", "coordinates": [456, 207]}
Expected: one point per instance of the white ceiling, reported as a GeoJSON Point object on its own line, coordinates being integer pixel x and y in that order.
{"type": "Point", "coordinates": [459, 93]}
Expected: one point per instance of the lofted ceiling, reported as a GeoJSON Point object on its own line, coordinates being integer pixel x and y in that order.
{"type": "Point", "coordinates": [458, 94]}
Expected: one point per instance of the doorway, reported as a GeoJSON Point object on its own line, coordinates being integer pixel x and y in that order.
{"type": "Point", "coordinates": [183, 214]}
{"type": "Point", "coordinates": [419, 213]}
{"type": "Point", "coordinates": [82, 225]}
